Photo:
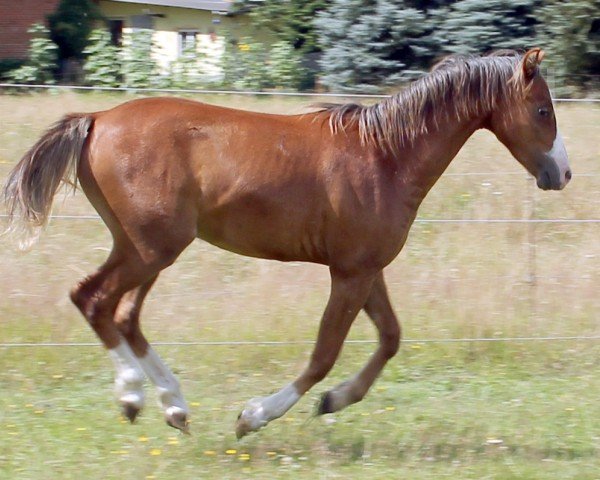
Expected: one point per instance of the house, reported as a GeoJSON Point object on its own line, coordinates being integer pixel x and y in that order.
{"type": "Point", "coordinates": [180, 25]}
{"type": "Point", "coordinates": [15, 19]}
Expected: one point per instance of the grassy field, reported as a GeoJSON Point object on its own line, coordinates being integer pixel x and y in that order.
{"type": "Point", "coordinates": [497, 410]}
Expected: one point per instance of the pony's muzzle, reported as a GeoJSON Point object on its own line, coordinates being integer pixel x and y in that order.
{"type": "Point", "coordinates": [554, 172]}
{"type": "Point", "coordinates": [552, 179]}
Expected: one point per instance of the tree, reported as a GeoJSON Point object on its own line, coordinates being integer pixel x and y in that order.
{"type": "Point", "coordinates": [243, 65]}
{"type": "Point", "coordinates": [289, 21]}
{"type": "Point", "coordinates": [70, 26]}
{"type": "Point", "coordinates": [468, 27]}
{"type": "Point", "coordinates": [284, 66]}
{"type": "Point", "coordinates": [370, 44]}
{"type": "Point", "coordinates": [103, 60]}
{"type": "Point", "coordinates": [251, 65]}
{"type": "Point", "coordinates": [570, 34]}
{"type": "Point", "coordinates": [41, 64]}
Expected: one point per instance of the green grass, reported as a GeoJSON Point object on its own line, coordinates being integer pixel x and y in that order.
{"type": "Point", "coordinates": [460, 411]}
{"type": "Point", "coordinates": [503, 410]}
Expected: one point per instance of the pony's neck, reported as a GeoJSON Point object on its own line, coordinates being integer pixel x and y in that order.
{"type": "Point", "coordinates": [436, 115]}
{"type": "Point", "coordinates": [422, 161]}
{"type": "Point", "coordinates": [458, 89]}
{"type": "Point", "coordinates": [424, 126]}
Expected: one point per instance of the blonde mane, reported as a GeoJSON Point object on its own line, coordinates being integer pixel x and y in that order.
{"type": "Point", "coordinates": [458, 86]}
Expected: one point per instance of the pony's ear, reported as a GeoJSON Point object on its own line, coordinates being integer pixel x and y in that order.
{"type": "Point", "coordinates": [531, 61]}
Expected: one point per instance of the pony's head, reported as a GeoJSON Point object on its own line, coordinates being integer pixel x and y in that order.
{"type": "Point", "coordinates": [526, 124]}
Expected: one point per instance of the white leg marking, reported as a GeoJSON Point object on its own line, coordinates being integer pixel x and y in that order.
{"type": "Point", "coordinates": [260, 411]}
{"type": "Point", "coordinates": [129, 378]}
{"type": "Point", "coordinates": [558, 153]}
{"type": "Point", "coordinates": [170, 396]}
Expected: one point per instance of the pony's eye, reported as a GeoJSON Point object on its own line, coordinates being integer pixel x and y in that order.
{"type": "Point", "coordinates": [543, 111]}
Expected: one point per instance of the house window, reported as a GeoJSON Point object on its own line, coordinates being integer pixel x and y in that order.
{"type": "Point", "coordinates": [187, 41]}
{"type": "Point", "coordinates": [115, 26]}
{"type": "Point", "coordinates": [142, 22]}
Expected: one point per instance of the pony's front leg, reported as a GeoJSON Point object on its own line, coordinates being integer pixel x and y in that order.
{"type": "Point", "coordinates": [348, 295]}
{"type": "Point", "coordinates": [380, 311]}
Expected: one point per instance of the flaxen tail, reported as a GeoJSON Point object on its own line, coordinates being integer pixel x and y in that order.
{"type": "Point", "coordinates": [32, 184]}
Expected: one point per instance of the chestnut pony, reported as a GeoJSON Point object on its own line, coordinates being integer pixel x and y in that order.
{"type": "Point", "coordinates": [339, 186]}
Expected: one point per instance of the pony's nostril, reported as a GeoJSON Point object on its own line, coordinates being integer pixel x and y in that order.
{"type": "Point", "coordinates": [568, 174]}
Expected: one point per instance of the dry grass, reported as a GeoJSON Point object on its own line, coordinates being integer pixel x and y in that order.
{"type": "Point", "coordinates": [466, 280]}
{"type": "Point", "coordinates": [450, 280]}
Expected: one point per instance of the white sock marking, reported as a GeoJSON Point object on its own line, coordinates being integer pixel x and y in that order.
{"type": "Point", "coordinates": [129, 378]}
{"type": "Point", "coordinates": [167, 385]}
{"type": "Point", "coordinates": [260, 411]}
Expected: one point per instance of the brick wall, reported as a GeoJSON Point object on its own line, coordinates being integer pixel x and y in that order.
{"type": "Point", "coordinates": [15, 18]}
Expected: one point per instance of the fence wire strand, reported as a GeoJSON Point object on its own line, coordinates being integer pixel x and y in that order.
{"type": "Point", "coordinates": [283, 343]}
{"type": "Point", "coordinates": [248, 343]}
{"type": "Point", "coordinates": [231, 92]}
{"type": "Point", "coordinates": [418, 220]}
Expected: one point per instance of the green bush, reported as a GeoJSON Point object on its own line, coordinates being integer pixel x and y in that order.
{"type": "Point", "coordinates": [184, 71]}
{"type": "Point", "coordinates": [8, 64]}
{"type": "Point", "coordinates": [250, 65]}
{"type": "Point", "coordinates": [103, 63]}
{"type": "Point", "coordinates": [139, 67]}
{"type": "Point", "coordinates": [284, 66]}
{"type": "Point", "coordinates": [569, 32]}
{"type": "Point", "coordinates": [243, 64]}
{"type": "Point", "coordinates": [39, 69]}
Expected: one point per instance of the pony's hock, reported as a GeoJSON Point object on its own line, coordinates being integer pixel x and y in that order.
{"type": "Point", "coordinates": [339, 186]}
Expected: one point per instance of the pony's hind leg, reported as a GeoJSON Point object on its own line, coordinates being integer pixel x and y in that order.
{"type": "Point", "coordinates": [380, 311]}
{"type": "Point", "coordinates": [127, 318]}
{"type": "Point", "coordinates": [97, 298]}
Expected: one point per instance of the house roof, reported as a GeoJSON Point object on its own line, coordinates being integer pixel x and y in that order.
{"type": "Point", "coordinates": [215, 5]}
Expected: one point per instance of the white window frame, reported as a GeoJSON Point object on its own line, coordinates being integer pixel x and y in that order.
{"type": "Point", "coordinates": [181, 40]}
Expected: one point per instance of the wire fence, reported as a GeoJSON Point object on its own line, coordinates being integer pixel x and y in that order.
{"type": "Point", "coordinates": [275, 93]}
{"type": "Point", "coordinates": [246, 343]}
{"type": "Point", "coordinates": [286, 343]}
{"type": "Point", "coordinates": [417, 220]}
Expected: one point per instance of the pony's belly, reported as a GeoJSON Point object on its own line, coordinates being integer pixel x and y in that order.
{"type": "Point", "coordinates": [253, 240]}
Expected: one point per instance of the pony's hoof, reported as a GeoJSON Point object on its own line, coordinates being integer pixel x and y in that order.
{"type": "Point", "coordinates": [177, 418]}
{"type": "Point", "coordinates": [325, 404]}
{"type": "Point", "coordinates": [129, 411]}
{"type": "Point", "coordinates": [131, 405]}
{"type": "Point", "coordinates": [242, 427]}
{"type": "Point", "coordinates": [250, 420]}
